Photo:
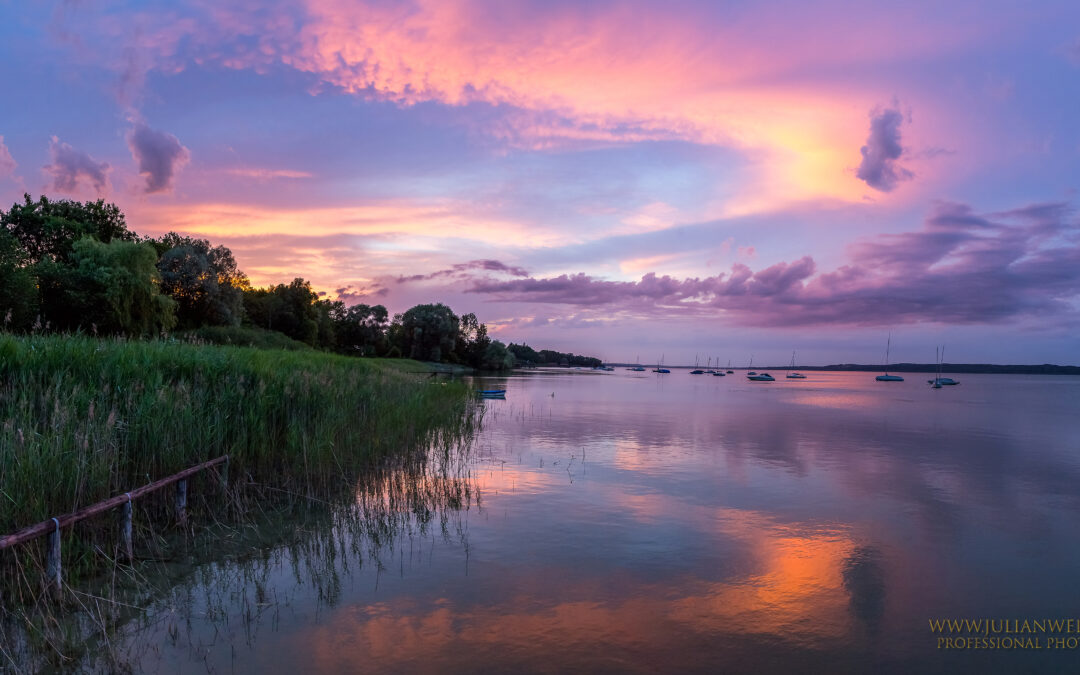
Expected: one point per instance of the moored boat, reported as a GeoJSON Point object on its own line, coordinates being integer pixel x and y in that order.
{"type": "Point", "coordinates": [791, 375]}
{"type": "Point", "coordinates": [887, 377]}
{"type": "Point", "coordinates": [943, 380]}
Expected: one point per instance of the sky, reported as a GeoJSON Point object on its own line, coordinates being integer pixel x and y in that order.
{"type": "Point", "coordinates": [628, 180]}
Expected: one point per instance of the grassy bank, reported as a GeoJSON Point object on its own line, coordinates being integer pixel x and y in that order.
{"type": "Point", "coordinates": [84, 419]}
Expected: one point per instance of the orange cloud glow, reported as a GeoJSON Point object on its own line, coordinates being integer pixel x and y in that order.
{"type": "Point", "coordinates": [627, 74]}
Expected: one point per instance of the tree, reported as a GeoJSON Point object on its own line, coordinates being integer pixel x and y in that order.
{"type": "Point", "coordinates": [18, 287]}
{"type": "Point", "coordinates": [361, 329]}
{"type": "Point", "coordinates": [429, 332]}
{"type": "Point", "coordinates": [395, 338]}
{"type": "Point", "coordinates": [523, 353]}
{"type": "Point", "coordinates": [109, 288]}
{"type": "Point", "coordinates": [204, 281]}
{"type": "Point", "coordinates": [50, 229]}
{"type": "Point", "coordinates": [290, 309]}
{"type": "Point", "coordinates": [472, 342]}
{"type": "Point", "coordinates": [496, 357]}
{"type": "Point", "coordinates": [326, 335]}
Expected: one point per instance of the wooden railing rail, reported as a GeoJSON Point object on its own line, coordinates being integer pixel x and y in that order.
{"type": "Point", "coordinates": [52, 526]}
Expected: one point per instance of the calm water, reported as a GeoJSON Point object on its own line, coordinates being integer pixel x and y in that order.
{"type": "Point", "coordinates": [627, 522]}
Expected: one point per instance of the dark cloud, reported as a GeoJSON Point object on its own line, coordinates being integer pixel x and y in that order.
{"type": "Point", "coordinates": [461, 269]}
{"type": "Point", "coordinates": [652, 291]}
{"type": "Point", "coordinates": [351, 295]}
{"type": "Point", "coordinates": [70, 168]}
{"type": "Point", "coordinates": [159, 155]}
{"type": "Point", "coordinates": [961, 267]}
{"type": "Point", "coordinates": [879, 168]}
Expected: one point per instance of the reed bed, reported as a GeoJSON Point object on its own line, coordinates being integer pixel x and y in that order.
{"type": "Point", "coordinates": [84, 419]}
{"type": "Point", "coordinates": [229, 576]}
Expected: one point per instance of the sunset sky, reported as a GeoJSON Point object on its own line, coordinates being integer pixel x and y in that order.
{"type": "Point", "coordinates": [720, 179]}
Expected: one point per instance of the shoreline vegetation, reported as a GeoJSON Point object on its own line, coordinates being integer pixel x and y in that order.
{"type": "Point", "coordinates": [75, 267]}
{"type": "Point", "coordinates": [85, 419]}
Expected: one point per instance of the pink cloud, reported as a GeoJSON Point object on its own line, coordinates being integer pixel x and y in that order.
{"type": "Point", "coordinates": [574, 75]}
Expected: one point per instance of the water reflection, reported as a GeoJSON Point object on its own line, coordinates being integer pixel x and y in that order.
{"type": "Point", "coordinates": [631, 524]}
{"type": "Point", "coordinates": [864, 580]}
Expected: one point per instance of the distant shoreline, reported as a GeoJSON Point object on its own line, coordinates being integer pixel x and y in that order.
{"type": "Point", "coordinates": [986, 368]}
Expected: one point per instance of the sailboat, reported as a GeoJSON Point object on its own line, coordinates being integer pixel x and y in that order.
{"type": "Point", "coordinates": [756, 377]}
{"type": "Point", "coordinates": [794, 376]}
{"type": "Point", "coordinates": [638, 368]}
{"type": "Point", "coordinates": [939, 380]}
{"type": "Point", "coordinates": [718, 372]}
{"type": "Point", "coordinates": [887, 377]}
{"type": "Point", "coordinates": [696, 370]}
{"type": "Point", "coordinates": [729, 370]}
{"type": "Point", "coordinates": [660, 367]}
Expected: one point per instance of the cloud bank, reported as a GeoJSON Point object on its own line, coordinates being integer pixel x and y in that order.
{"type": "Point", "coordinates": [959, 268]}
{"type": "Point", "coordinates": [572, 75]}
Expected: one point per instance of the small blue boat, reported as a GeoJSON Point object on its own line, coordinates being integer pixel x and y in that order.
{"type": "Point", "coordinates": [492, 392]}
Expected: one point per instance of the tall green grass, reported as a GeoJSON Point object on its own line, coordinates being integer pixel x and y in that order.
{"type": "Point", "coordinates": [241, 336]}
{"type": "Point", "coordinates": [84, 419]}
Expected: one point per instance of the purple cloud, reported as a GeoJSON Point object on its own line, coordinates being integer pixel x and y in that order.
{"type": "Point", "coordinates": [71, 167]}
{"type": "Point", "coordinates": [159, 155]}
{"type": "Point", "coordinates": [879, 168]}
{"type": "Point", "coordinates": [352, 295]}
{"type": "Point", "coordinates": [7, 162]}
{"type": "Point", "coordinates": [461, 268]}
{"type": "Point", "coordinates": [959, 268]}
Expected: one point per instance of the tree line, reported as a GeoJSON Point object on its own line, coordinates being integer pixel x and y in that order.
{"type": "Point", "coordinates": [68, 266]}
{"type": "Point", "coordinates": [526, 355]}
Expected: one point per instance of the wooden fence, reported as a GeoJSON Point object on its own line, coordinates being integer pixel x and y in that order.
{"type": "Point", "coordinates": [52, 526]}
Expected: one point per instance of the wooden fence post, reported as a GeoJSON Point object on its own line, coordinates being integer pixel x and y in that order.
{"type": "Point", "coordinates": [53, 573]}
{"type": "Point", "coordinates": [125, 530]}
{"type": "Point", "coordinates": [181, 500]}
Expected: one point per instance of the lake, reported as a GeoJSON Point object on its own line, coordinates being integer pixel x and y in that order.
{"type": "Point", "coordinates": [630, 522]}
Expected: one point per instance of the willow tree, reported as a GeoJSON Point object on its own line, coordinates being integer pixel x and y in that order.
{"type": "Point", "coordinates": [111, 289]}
